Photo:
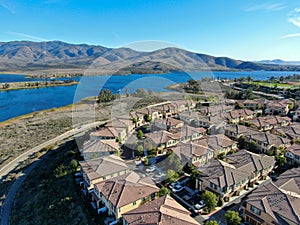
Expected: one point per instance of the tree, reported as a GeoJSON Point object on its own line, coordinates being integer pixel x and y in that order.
{"type": "Point", "coordinates": [140, 93]}
{"type": "Point", "coordinates": [173, 162]}
{"type": "Point", "coordinates": [210, 200]}
{"type": "Point", "coordinates": [248, 94]}
{"type": "Point", "coordinates": [74, 165]}
{"type": "Point", "coordinates": [163, 192]}
{"type": "Point", "coordinates": [192, 82]}
{"type": "Point", "coordinates": [105, 95]}
{"type": "Point", "coordinates": [172, 176]}
{"type": "Point", "coordinates": [140, 150]}
{"type": "Point", "coordinates": [232, 218]}
{"type": "Point", "coordinates": [140, 134]}
{"type": "Point", "coordinates": [134, 120]}
{"type": "Point", "coordinates": [211, 222]}
{"type": "Point", "coordinates": [60, 171]}
{"type": "Point", "coordinates": [147, 118]}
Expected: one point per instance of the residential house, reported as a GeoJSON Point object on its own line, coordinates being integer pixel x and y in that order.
{"type": "Point", "coordinates": [160, 140]}
{"type": "Point", "coordinates": [166, 124]}
{"type": "Point", "coordinates": [276, 202]}
{"type": "Point", "coordinates": [193, 153]}
{"type": "Point", "coordinates": [238, 115]}
{"type": "Point", "coordinates": [188, 116]}
{"type": "Point", "coordinates": [292, 132]}
{"type": "Point", "coordinates": [296, 116]}
{"type": "Point", "coordinates": [266, 142]}
{"type": "Point", "coordinates": [123, 127]}
{"type": "Point", "coordinates": [122, 122]}
{"type": "Point", "coordinates": [255, 104]}
{"type": "Point", "coordinates": [100, 169]}
{"type": "Point", "coordinates": [216, 109]}
{"type": "Point", "coordinates": [269, 122]}
{"type": "Point", "coordinates": [184, 105]}
{"type": "Point", "coordinates": [125, 193]}
{"type": "Point", "coordinates": [188, 133]}
{"type": "Point", "coordinates": [138, 116]}
{"type": "Point", "coordinates": [162, 211]}
{"type": "Point", "coordinates": [235, 131]}
{"type": "Point", "coordinates": [105, 133]}
{"type": "Point", "coordinates": [278, 107]}
{"type": "Point", "coordinates": [241, 170]}
{"type": "Point", "coordinates": [292, 154]}
{"type": "Point", "coordinates": [219, 143]}
{"type": "Point", "coordinates": [97, 148]}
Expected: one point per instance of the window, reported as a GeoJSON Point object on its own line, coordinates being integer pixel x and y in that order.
{"type": "Point", "coordinates": [134, 203]}
{"type": "Point", "coordinates": [297, 157]}
{"type": "Point", "coordinates": [255, 210]}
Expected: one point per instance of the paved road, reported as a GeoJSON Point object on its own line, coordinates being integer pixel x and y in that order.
{"type": "Point", "coordinates": [13, 164]}
{"type": "Point", "coordinates": [9, 199]}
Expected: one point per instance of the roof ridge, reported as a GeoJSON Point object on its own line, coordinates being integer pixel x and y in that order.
{"type": "Point", "coordinates": [291, 206]}
{"type": "Point", "coordinates": [121, 192]}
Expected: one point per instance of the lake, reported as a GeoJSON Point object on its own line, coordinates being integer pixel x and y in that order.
{"type": "Point", "coordinates": [19, 102]}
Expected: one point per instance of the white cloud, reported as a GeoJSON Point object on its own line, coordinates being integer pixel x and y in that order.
{"type": "Point", "coordinates": [34, 38]}
{"type": "Point", "coordinates": [7, 7]}
{"type": "Point", "coordinates": [290, 35]}
{"type": "Point", "coordinates": [295, 21]}
{"type": "Point", "coordinates": [266, 7]}
{"type": "Point", "coordinates": [294, 17]}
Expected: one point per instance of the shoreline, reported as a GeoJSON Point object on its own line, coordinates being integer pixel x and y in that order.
{"type": "Point", "coordinates": [13, 86]}
{"type": "Point", "coordinates": [33, 114]}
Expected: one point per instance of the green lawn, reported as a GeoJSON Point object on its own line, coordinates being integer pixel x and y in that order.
{"type": "Point", "coordinates": [274, 84]}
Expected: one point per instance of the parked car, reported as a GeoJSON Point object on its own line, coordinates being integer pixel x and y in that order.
{"type": "Point", "coordinates": [199, 205]}
{"type": "Point", "coordinates": [198, 208]}
{"type": "Point", "coordinates": [159, 175]}
{"type": "Point", "coordinates": [174, 184]}
{"type": "Point", "coordinates": [151, 169]}
{"type": "Point", "coordinates": [177, 188]}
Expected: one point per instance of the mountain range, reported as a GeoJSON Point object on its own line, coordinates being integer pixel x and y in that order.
{"type": "Point", "coordinates": [26, 56]}
{"type": "Point", "coordinates": [280, 62]}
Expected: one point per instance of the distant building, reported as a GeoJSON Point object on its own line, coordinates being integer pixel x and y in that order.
{"type": "Point", "coordinates": [292, 131]}
{"type": "Point", "coordinates": [256, 104]}
{"type": "Point", "coordinates": [269, 122]}
{"type": "Point", "coordinates": [278, 107]}
{"type": "Point", "coordinates": [238, 115]}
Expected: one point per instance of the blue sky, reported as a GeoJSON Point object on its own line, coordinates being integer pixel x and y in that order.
{"type": "Point", "coordinates": [247, 30]}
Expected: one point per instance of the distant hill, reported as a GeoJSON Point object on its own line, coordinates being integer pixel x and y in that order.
{"type": "Point", "coordinates": [29, 56]}
{"type": "Point", "coordinates": [280, 62]}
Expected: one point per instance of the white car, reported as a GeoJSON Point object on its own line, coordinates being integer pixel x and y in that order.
{"type": "Point", "coordinates": [199, 205]}
{"type": "Point", "coordinates": [159, 175]}
{"type": "Point", "coordinates": [177, 188]}
{"type": "Point", "coordinates": [151, 169]}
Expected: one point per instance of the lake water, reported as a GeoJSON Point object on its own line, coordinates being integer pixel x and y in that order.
{"type": "Point", "coordinates": [19, 102]}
